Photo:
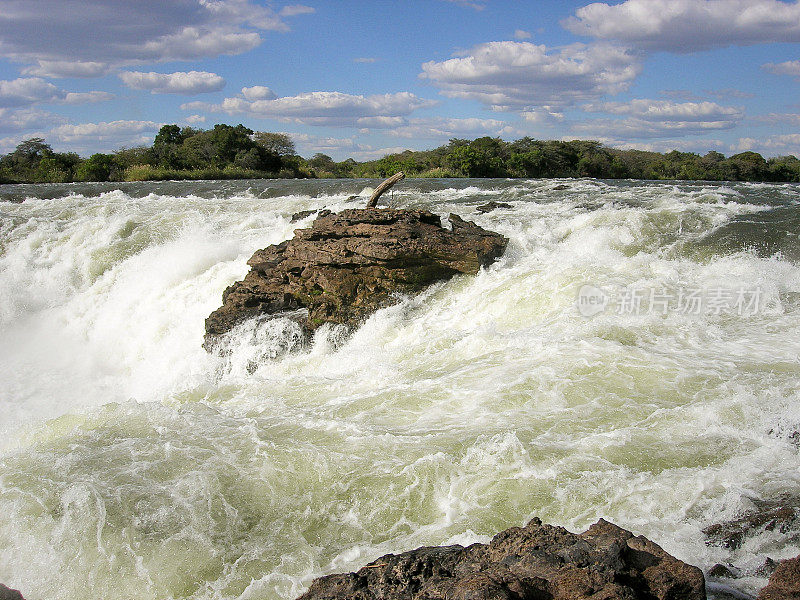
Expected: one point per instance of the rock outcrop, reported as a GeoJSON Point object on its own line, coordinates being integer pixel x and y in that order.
{"type": "Point", "coordinates": [538, 561]}
{"type": "Point", "coordinates": [349, 264]}
{"type": "Point", "coordinates": [9, 594]}
{"type": "Point", "coordinates": [784, 584]}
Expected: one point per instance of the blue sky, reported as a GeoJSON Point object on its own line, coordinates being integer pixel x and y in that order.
{"type": "Point", "coordinates": [364, 78]}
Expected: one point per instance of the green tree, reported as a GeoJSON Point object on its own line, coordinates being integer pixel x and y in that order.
{"type": "Point", "coordinates": [95, 168]}
{"type": "Point", "coordinates": [275, 143]}
{"type": "Point", "coordinates": [167, 147]}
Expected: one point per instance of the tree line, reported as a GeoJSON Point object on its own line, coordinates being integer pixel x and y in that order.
{"type": "Point", "coordinates": [228, 152]}
{"type": "Point", "coordinates": [223, 152]}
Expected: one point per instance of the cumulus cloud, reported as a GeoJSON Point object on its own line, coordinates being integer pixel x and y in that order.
{"type": "Point", "coordinates": [521, 76]}
{"type": "Point", "coordinates": [67, 68]}
{"type": "Point", "coordinates": [12, 120]}
{"type": "Point", "coordinates": [701, 146]}
{"type": "Point", "coordinates": [318, 108]}
{"type": "Point", "coordinates": [443, 128]}
{"type": "Point", "coordinates": [521, 34]}
{"type": "Point", "coordinates": [775, 145]}
{"type": "Point", "coordinates": [773, 118]}
{"type": "Point", "coordinates": [26, 91]}
{"type": "Point", "coordinates": [664, 110]}
{"type": "Point", "coordinates": [87, 97]}
{"type": "Point", "coordinates": [684, 26]}
{"type": "Point", "coordinates": [100, 133]}
{"type": "Point", "coordinates": [97, 34]}
{"type": "Point", "coordinates": [189, 83]}
{"type": "Point", "coordinates": [258, 92]}
{"type": "Point", "coordinates": [790, 67]}
{"type": "Point", "coordinates": [296, 9]}
{"type": "Point", "coordinates": [645, 118]}
{"type": "Point", "coordinates": [195, 119]}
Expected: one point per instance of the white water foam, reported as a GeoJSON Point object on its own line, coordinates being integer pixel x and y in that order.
{"type": "Point", "coordinates": [134, 460]}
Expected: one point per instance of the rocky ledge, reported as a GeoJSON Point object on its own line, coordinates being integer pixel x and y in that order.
{"type": "Point", "coordinates": [349, 264]}
{"type": "Point", "coordinates": [539, 562]}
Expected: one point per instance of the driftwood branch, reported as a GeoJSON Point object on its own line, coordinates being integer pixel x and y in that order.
{"type": "Point", "coordinates": [373, 201]}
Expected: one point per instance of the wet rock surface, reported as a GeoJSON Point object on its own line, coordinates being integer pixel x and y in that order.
{"type": "Point", "coordinates": [7, 593]}
{"type": "Point", "coordinates": [784, 584]}
{"type": "Point", "coordinates": [780, 515]}
{"type": "Point", "coordinates": [349, 264]}
{"type": "Point", "coordinates": [537, 562]}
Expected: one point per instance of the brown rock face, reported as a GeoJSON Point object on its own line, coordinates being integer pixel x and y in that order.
{"type": "Point", "coordinates": [9, 594]}
{"type": "Point", "coordinates": [537, 562]}
{"type": "Point", "coordinates": [784, 583]}
{"type": "Point", "coordinates": [347, 265]}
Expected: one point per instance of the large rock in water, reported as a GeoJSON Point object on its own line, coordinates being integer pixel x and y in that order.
{"type": "Point", "coordinates": [539, 562]}
{"type": "Point", "coordinates": [784, 583]}
{"type": "Point", "coordinates": [347, 265]}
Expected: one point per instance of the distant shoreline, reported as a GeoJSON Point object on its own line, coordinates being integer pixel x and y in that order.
{"type": "Point", "coordinates": [234, 153]}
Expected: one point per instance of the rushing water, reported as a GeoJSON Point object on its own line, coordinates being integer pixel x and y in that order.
{"type": "Point", "coordinates": [134, 464]}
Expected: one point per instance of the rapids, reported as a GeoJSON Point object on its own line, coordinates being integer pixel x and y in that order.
{"type": "Point", "coordinates": [134, 464]}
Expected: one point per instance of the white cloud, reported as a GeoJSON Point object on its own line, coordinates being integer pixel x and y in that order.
{"type": "Point", "coordinates": [25, 119]}
{"type": "Point", "coordinates": [774, 118]}
{"type": "Point", "coordinates": [647, 118]}
{"type": "Point", "coordinates": [775, 145]}
{"type": "Point", "coordinates": [521, 76]}
{"type": "Point", "coordinates": [521, 34]}
{"type": "Point", "coordinates": [105, 134]}
{"type": "Point", "coordinates": [700, 146]}
{"type": "Point", "coordinates": [365, 59]}
{"type": "Point", "coordinates": [319, 108]}
{"type": "Point", "coordinates": [296, 9]}
{"type": "Point", "coordinates": [67, 68]}
{"type": "Point", "coordinates": [187, 83]}
{"type": "Point", "coordinates": [99, 34]}
{"type": "Point", "coordinates": [440, 128]}
{"type": "Point", "coordinates": [195, 119]}
{"type": "Point", "coordinates": [643, 129]}
{"type": "Point", "coordinates": [684, 26]}
{"type": "Point", "coordinates": [790, 67]}
{"type": "Point", "coordinates": [26, 91]}
{"type": "Point", "coordinates": [87, 97]}
{"type": "Point", "coordinates": [545, 115]}
{"type": "Point", "coordinates": [664, 110]}
{"type": "Point", "coordinates": [258, 92]}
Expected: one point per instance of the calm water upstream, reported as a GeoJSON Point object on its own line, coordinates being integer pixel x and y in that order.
{"type": "Point", "coordinates": [635, 355]}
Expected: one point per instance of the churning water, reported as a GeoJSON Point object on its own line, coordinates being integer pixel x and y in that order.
{"type": "Point", "coordinates": [633, 356]}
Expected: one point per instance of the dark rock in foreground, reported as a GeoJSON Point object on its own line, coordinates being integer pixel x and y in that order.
{"type": "Point", "coordinates": [9, 594]}
{"type": "Point", "coordinates": [347, 265]}
{"type": "Point", "coordinates": [537, 562]}
{"type": "Point", "coordinates": [784, 584]}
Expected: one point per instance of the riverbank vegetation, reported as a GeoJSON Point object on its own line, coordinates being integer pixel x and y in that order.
{"type": "Point", "coordinates": [228, 152]}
